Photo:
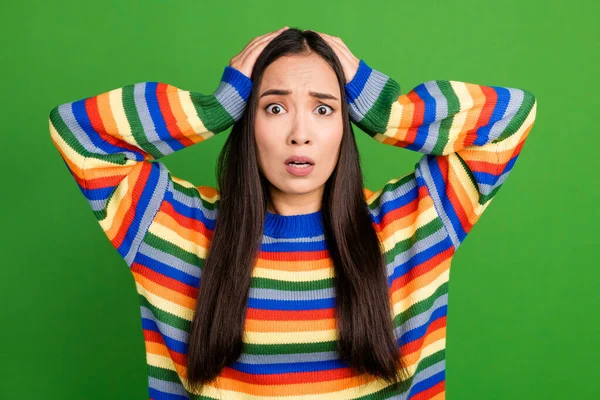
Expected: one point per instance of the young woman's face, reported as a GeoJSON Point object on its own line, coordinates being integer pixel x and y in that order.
{"type": "Point", "coordinates": [304, 121]}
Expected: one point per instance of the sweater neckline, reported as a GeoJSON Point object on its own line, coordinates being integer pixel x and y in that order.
{"type": "Point", "coordinates": [288, 226]}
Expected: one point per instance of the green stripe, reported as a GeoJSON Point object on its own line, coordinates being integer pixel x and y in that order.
{"type": "Point", "coordinates": [165, 317]}
{"type": "Point", "coordinates": [377, 117]}
{"type": "Point", "coordinates": [422, 232]}
{"type": "Point", "coordinates": [445, 125]}
{"type": "Point", "coordinates": [289, 348]}
{"type": "Point", "coordinates": [193, 192]}
{"type": "Point", "coordinates": [137, 129]}
{"type": "Point", "coordinates": [390, 187]}
{"type": "Point", "coordinates": [265, 283]}
{"type": "Point", "coordinates": [213, 115]}
{"type": "Point", "coordinates": [421, 306]}
{"type": "Point", "coordinates": [173, 249]}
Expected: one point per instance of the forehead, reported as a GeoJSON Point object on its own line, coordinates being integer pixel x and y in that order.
{"type": "Point", "coordinates": [300, 73]}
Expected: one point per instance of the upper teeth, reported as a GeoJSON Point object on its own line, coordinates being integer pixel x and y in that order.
{"type": "Point", "coordinates": [298, 162]}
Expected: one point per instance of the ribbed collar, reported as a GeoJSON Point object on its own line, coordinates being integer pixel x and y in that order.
{"type": "Point", "coordinates": [292, 226]}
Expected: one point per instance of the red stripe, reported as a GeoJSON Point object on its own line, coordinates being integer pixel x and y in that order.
{"type": "Point", "coordinates": [281, 315]}
{"type": "Point", "coordinates": [294, 255]}
{"type": "Point", "coordinates": [188, 223]}
{"type": "Point", "coordinates": [431, 392]}
{"type": "Point", "coordinates": [288, 378]}
{"type": "Point", "coordinates": [129, 217]}
{"type": "Point", "coordinates": [417, 344]}
{"type": "Point", "coordinates": [165, 281]}
{"type": "Point", "coordinates": [169, 117]}
{"type": "Point", "coordinates": [421, 269]}
{"type": "Point", "coordinates": [397, 213]}
{"type": "Point", "coordinates": [93, 113]}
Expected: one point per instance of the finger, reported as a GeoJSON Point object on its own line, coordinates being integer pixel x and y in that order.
{"type": "Point", "coordinates": [258, 41]}
{"type": "Point", "coordinates": [262, 37]}
{"type": "Point", "coordinates": [253, 52]}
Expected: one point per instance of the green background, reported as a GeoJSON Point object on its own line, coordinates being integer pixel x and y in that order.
{"type": "Point", "coordinates": [523, 316]}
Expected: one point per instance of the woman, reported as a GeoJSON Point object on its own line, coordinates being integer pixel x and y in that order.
{"type": "Point", "coordinates": [311, 284]}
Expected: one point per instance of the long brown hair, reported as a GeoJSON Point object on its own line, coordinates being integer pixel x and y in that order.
{"type": "Point", "coordinates": [364, 321]}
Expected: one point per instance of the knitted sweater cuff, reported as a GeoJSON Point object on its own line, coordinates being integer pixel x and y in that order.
{"type": "Point", "coordinates": [233, 91]}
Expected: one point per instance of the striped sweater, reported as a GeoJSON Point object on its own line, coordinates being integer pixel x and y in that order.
{"type": "Point", "coordinates": [470, 136]}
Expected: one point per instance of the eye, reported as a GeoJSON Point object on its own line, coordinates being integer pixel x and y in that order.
{"type": "Point", "coordinates": [277, 107]}
{"type": "Point", "coordinates": [323, 106]}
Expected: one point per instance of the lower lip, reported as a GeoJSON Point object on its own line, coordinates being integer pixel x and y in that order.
{"type": "Point", "coordinates": [299, 171]}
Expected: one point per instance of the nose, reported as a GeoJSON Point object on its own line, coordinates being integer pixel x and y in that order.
{"type": "Point", "coordinates": [301, 130]}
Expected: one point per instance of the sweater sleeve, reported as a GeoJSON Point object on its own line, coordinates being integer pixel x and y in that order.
{"type": "Point", "coordinates": [471, 135]}
{"type": "Point", "coordinates": [109, 143]}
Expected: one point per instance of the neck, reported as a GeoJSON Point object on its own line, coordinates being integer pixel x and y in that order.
{"type": "Point", "coordinates": [294, 204]}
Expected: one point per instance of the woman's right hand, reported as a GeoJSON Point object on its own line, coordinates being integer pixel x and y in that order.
{"type": "Point", "coordinates": [244, 61]}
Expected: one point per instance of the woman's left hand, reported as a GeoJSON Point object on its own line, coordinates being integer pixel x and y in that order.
{"type": "Point", "coordinates": [349, 61]}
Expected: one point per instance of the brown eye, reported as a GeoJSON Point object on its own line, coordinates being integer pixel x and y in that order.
{"type": "Point", "coordinates": [324, 107]}
{"type": "Point", "coordinates": [276, 109]}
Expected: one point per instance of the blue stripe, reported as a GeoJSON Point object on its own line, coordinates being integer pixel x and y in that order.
{"type": "Point", "coordinates": [291, 305]}
{"type": "Point", "coordinates": [167, 270]}
{"type": "Point", "coordinates": [499, 109]}
{"type": "Point", "coordinates": [419, 332]}
{"type": "Point", "coordinates": [158, 395]}
{"type": "Point", "coordinates": [82, 118]}
{"type": "Point", "coordinates": [171, 343]}
{"type": "Point", "coordinates": [286, 368]}
{"type": "Point", "coordinates": [388, 206]}
{"type": "Point", "coordinates": [355, 87]}
{"type": "Point", "coordinates": [140, 208]}
{"type": "Point", "coordinates": [241, 83]}
{"type": "Point", "coordinates": [194, 213]}
{"type": "Point", "coordinates": [283, 247]}
{"type": "Point", "coordinates": [427, 384]}
{"type": "Point", "coordinates": [157, 118]}
{"type": "Point", "coordinates": [440, 185]}
{"type": "Point", "coordinates": [419, 258]}
{"type": "Point", "coordinates": [430, 105]}
{"type": "Point", "coordinates": [100, 193]}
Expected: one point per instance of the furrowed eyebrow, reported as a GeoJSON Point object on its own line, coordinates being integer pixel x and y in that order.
{"type": "Point", "coordinates": [286, 92]}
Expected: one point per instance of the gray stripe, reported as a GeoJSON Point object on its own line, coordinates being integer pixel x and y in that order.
{"type": "Point", "coordinates": [441, 112]}
{"type": "Point", "coordinates": [389, 195]}
{"type": "Point", "coordinates": [418, 247]}
{"type": "Point", "coordinates": [515, 102]}
{"type": "Point", "coordinates": [168, 387]}
{"type": "Point", "coordinates": [139, 94]}
{"type": "Point", "coordinates": [292, 295]}
{"type": "Point", "coordinates": [421, 376]}
{"type": "Point", "coordinates": [230, 99]}
{"type": "Point", "coordinates": [369, 94]}
{"type": "Point", "coordinates": [170, 260]}
{"type": "Point", "coordinates": [194, 202]}
{"type": "Point", "coordinates": [424, 172]}
{"type": "Point", "coordinates": [259, 359]}
{"type": "Point", "coordinates": [270, 240]}
{"type": "Point", "coordinates": [486, 189]}
{"type": "Point", "coordinates": [165, 329]}
{"type": "Point", "coordinates": [422, 319]}
{"type": "Point", "coordinates": [66, 113]}
{"type": "Point", "coordinates": [150, 212]}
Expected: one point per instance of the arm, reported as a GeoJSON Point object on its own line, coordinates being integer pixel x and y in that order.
{"type": "Point", "coordinates": [471, 136]}
{"type": "Point", "coordinates": [109, 143]}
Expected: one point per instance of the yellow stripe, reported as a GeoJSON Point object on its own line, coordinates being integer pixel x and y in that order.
{"type": "Point", "coordinates": [293, 276]}
{"type": "Point", "coordinates": [190, 111]}
{"type": "Point", "coordinates": [164, 304]}
{"type": "Point", "coordinates": [169, 235]}
{"type": "Point", "coordinates": [424, 217]}
{"type": "Point", "coordinates": [421, 294]}
{"type": "Point", "coordinates": [290, 337]}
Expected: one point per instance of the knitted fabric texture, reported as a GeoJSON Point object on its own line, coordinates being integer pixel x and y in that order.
{"type": "Point", "coordinates": [470, 136]}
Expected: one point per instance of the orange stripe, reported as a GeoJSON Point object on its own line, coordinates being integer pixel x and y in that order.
{"type": "Point", "coordinates": [289, 326]}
